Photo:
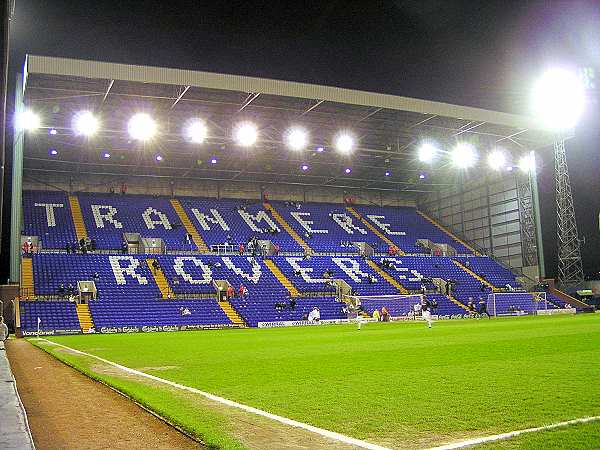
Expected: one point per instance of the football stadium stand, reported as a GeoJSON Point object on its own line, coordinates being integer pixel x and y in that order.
{"type": "Point", "coordinates": [202, 278]}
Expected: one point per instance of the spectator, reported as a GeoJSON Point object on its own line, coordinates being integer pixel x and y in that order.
{"type": "Point", "coordinates": [3, 330]}
{"type": "Point", "coordinates": [376, 315]}
{"type": "Point", "coordinates": [385, 314]}
{"type": "Point", "coordinates": [175, 280]}
{"type": "Point", "coordinates": [61, 290]}
{"type": "Point", "coordinates": [96, 276]}
{"type": "Point", "coordinates": [315, 315]}
{"type": "Point", "coordinates": [243, 291]}
{"type": "Point", "coordinates": [293, 304]}
{"type": "Point", "coordinates": [434, 306]}
{"type": "Point", "coordinates": [230, 292]}
{"type": "Point", "coordinates": [124, 247]}
{"type": "Point", "coordinates": [276, 249]}
{"type": "Point", "coordinates": [483, 308]}
{"type": "Point", "coordinates": [242, 248]}
{"type": "Point", "coordinates": [70, 289]}
{"type": "Point", "coordinates": [68, 248]}
{"type": "Point", "coordinates": [25, 247]}
{"type": "Point", "coordinates": [123, 189]}
{"type": "Point", "coordinates": [184, 311]}
{"type": "Point", "coordinates": [93, 245]}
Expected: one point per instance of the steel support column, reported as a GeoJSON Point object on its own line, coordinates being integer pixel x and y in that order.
{"type": "Point", "coordinates": [16, 218]}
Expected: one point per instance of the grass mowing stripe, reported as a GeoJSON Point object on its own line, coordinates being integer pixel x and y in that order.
{"type": "Point", "coordinates": [511, 434]}
{"type": "Point", "coordinates": [294, 423]}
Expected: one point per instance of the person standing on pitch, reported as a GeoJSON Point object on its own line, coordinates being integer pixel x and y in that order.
{"type": "Point", "coordinates": [426, 310]}
{"type": "Point", "coordinates": [483, 308]}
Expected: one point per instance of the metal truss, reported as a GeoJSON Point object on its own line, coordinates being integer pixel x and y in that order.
{"type": "Point", "coordinates": [570, 268]}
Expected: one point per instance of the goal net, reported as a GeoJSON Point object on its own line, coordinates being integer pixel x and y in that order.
{"type": "Point", "coordinates": [397, 305]}
{"type": "Point", "coordinates": [517, 303]}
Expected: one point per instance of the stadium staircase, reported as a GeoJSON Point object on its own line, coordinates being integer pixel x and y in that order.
{"type": "Point", "coordinates": [447, 231]}
{"type": "Point", "coordinates": [77, 217]}
{"type": "Point", "coordinates": [159, 278]}
{"type": "Point", "coordinates": [27, 288]}
{"type": "Point", "coordinates": [371, 227]}
{"type": "Point", "coordinates": [85, 317]}
{"type": "Point", "coordinates": [282, 278]}
{"type": "Point", "coordinates": [189, 226]}
{"type": "Point", "coordinates": [286, 226]}
{"type": "Point", "coordinates": [387, 277]}
{"type": "Point", "coordinates": [570, 300]}
{"type": "Point", "coordinates": [474, 275]}
{"type": "Point", "coordinates": [232, 314]}
{"type": "Point", "coordinates": [457, 302]}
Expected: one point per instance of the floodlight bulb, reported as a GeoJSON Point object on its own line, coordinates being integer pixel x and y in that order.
{"type": "Point", "coordinates": [196, 131]}
{"type": "Point", "coordinates": [527, 163]}
{"type": "Point", "coordinates": [27, 120]}
{"type": "Point", "coordinates": [85, 123]}
{"type": "Point", "coordinates": [464, 155]}
{"type": "Point", "coordinates": [427, 152]}
{"type": "Point", "coordinates": [558, 99]}
{"type": "Point", "coordinates": [246, 134]}
{"type": "Point", "coordinates": [296, 138]}
{"type": "Point", "coordinates": [497, 160]}
{"type": "Point", "coordinates": [159, 158]}
{"type": "Point", "coordinates": [344, 143]}
{"type": "Point", "coordinates": [348, 170]}
{"type": "Point", "coordinates": [141, 127]}
{"type": "Point", "coordinates": [304, 167]}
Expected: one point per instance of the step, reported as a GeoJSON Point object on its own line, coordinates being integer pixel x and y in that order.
{"type": "Point", "coordinates": [371, 227]}
{"type": "Point", "coordinates": [189, 226]}
{"type": "Point", "coordinates": [286, 226]}
{"type": "Point", "coordinates": [77, 217]}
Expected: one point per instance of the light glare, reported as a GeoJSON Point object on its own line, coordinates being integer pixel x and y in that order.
{"type": "Point", "coordinates": [85, 124]}
{"type": "Point", "coordinates": [427, 152]}
{"type": "Point", "coordinates": [344, 143]}
{"type": "Point", "coordinates": [196, 131]}
{"type": "Point", "coordinates": [464, 155]}
{"type": "Point", "coordinates": [497, 160]}
{"type": "Point", "coordinates": [527, 163]}
{"type": "Point", "coordinates": [141, 127]}
{"type": "Point", "coordinates": [27, 120]}
{"type": "Point", "coordinates": [246, 134]}
{"type": "Point", "coordinates": [296, 138]}
{"type": "Point", "coordinates": [558, 99]}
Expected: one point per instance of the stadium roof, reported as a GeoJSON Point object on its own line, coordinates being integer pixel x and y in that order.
{"type": "Point", "coordinates": [388, 128]}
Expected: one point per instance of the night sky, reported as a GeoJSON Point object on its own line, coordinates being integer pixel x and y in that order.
{"type": "Point", "coordinates": [477, 53]}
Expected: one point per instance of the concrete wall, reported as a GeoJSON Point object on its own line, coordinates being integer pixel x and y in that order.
{"type": "Point", "coordinates": [203, 188]}
{"type": "Point", "coordinates": [484, 211]}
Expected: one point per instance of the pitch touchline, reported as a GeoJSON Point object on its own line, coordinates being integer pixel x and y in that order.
{"type": "Point", "coordinates": [498, 437]}
{"type": "Point", "coordinates": [294, 423]}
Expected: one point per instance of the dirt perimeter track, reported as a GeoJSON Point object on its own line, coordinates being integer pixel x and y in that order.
{"type": "Point", "coordinates": [67, 410]}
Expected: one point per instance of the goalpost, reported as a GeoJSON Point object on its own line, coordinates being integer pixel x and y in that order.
{"type": "Point", "coordinates": [516, 303]}
{"type": "Point", "coordinates": [397, 305]}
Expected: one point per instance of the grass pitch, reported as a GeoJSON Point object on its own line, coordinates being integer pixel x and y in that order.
{"type": "Point", "coordinates": [394, 384]}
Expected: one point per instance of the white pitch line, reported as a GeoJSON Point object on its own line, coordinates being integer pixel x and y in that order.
{"type": "Point", "coordinates": [510, 434]}
{"type": "Point", "coordinates": [293, 423]}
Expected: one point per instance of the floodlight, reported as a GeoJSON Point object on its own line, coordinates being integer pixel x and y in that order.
{"type": "Point", "coordinates": [348, 170]}
{"type": "Point", "coordinates": [344, 142]}
{"type": "Point", "coordinates": [141, 127]}
{"type": "Point", "coordinates": [527, 163]}
{"type": "Point", "coordinates": [52, 152]}
{"type": "Point", "coordinates": [296, 138]}
{"type": "Point", "coordinates": [53, 131]}
{"type": "Point", "coordinates": [464, 155]}
{"type": "Point", "coordinates": [85, 124]}
{"type": "Point", "coordinates": [320, 149]}
{"type": "Point", "coordinates": [106, 155]}
{"type": "Point", "coordinates": [558, 99]}
{"type": "Point", "coordinates": [388, 173]}
{"type": "Point", "coordinates": [497, 160]}
{"type": "Point", "coordinates": [246, 134]}
{"type": "Point", "coordinates": [213, 161]}
{"type": "Point", "coordinates": [427, 152]}
{"type": "Point", "coordinates": [27, 120]}
{"type": "Point", "coordinates": [422, 176]}
{"type": "Point", "coordinates": [158, 158]}
{"type": "Point", "coordinates": [304, 167]}
{"type": "Point", "coordinates": [196, 131]}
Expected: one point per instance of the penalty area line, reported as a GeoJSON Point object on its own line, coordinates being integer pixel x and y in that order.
{"type": "Point", "coordinates": [250, 409]}
{"type": "Point", "coordinates": [511, 434]}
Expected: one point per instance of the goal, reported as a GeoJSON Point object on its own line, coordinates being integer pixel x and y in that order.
{"type": "Point", "coordinates": [517, 303]}
{"type": "Point", "coordinates": [397, 305]}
